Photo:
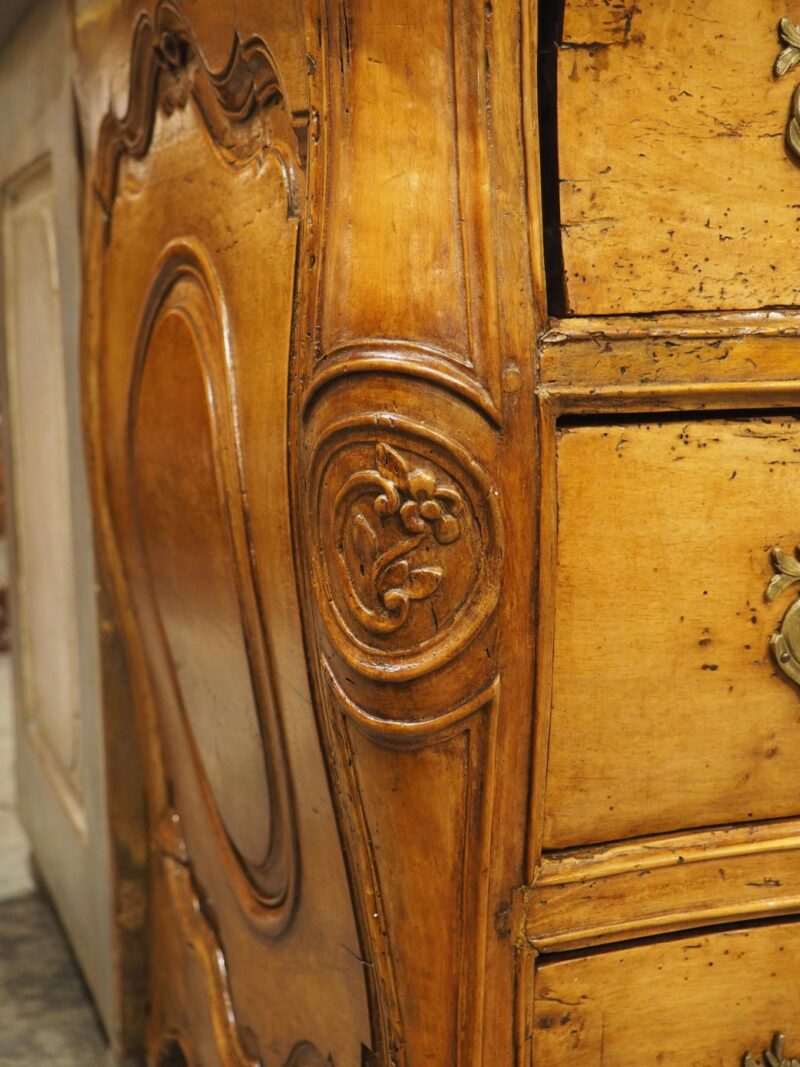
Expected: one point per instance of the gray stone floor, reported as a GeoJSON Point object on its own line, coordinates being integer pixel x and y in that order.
{"type": "Point", "coordinates": [45, 1013]}
{"type": "Point", "coordinates": [46, 1017]}
{"type": "Point", "coordinates": [15, 878]}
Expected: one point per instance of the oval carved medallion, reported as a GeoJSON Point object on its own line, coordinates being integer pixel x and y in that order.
{"type": "Point", "coordinates": [407, 545]}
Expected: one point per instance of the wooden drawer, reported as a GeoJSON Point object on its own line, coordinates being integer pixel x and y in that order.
{"type": "Point", "coordinates": [677, 190]}
{"type": "Point", "coordinates": [695, 1001]}
{"type": "Point", "coordinates": [667, 709]}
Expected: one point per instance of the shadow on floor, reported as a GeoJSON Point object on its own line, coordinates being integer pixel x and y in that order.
{"type": "Point", "coordinates": [45, 1013]}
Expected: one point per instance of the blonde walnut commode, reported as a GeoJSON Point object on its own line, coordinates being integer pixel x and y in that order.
{"type": "Point", "coordinates": [441, 389]}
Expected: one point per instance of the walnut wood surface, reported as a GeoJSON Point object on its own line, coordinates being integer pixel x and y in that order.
{"type": "Point", "coordinates": [661, 649]}
{"type": "Point", "coordinates": [704, 999]}
{"type": "Point", "coordinates": [399, 562]}
{"type": "Point", "coordinates": [676, 189]}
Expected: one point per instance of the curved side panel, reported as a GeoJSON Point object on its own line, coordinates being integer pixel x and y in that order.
{"type": "Point", "coordinates": [212, 657]}
{"type": "Point", "coordinates": [194, 218]}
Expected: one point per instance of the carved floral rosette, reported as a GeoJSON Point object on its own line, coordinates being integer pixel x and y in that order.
{"type": "Point", "coordinates": [407, 545]}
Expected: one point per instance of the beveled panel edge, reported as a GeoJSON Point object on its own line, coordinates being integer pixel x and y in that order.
{"type": "Point", "coordinates": [626, 891]}
{"type": "Point", "coordinates": [666, 850]}
{"type": "Point", "coordinates": [186, 260]}
{"type": "Point", "coordinates": [770, 322]}
{"type": "Point", "coordinates": [665, 355]}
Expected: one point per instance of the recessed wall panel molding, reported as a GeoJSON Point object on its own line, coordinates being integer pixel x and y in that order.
{"type": "Point", "coordinates": [45, 568]}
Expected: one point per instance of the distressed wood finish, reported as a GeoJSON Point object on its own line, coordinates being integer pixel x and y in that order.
{"type": "Point", "coordinates": [635, 889]}
{"type": "Point", "coordinates": [704, 999]}
{"type": "Point", "coordinates": [661, 647]}
{"type": "Point", "coordinates": [306, 374]}
{"type": "Point", "coordinates": [445, 618]}
{"type": "Point", "coordinates": [676, 190]}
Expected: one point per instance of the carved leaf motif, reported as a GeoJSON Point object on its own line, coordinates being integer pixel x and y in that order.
{"type": "Point", "coordinates": [377, 559]}
{"type": "Point", "coordinates": [787, 60]}
{"type": "Point", "coordinates": [391, 464]}
{"type": "Point", "coordinates": [365, 542]}
{"type": "Point", "coordinates": [778, 584]}
{"type": "Point", "coordinates": [422, 582]}
{"type": "Point", "coordinates": [788, 568]}
{"type": "Point", "coordinates": [394, 577]}
{"type": "Point", "coordinates": [785, 563]}
{"type": "Point", "coordinates": [789, 32]}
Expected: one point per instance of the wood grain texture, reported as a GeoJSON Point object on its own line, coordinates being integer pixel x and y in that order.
{"type": "Point", "coordinates": [323, 470]}
{"type": "Point", "coordinates": [661, 632]}
{"type": "Point", "coordinates": [629, 356]}
{"type": "Point", "coordinates": [201, 177]}
{"type": "Point", "coordinates": [705, 999]}
{"type": "Point", "coordinates": [310, 357]}
{"type": "Point", "coordinates": [412, 415]}
{"type": "Point", "coordinates": [677, 191]}
{"type": "Point", "coordinates": [657, 885]}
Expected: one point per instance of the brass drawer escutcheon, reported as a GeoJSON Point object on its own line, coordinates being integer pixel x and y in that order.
{"type": "Point", "coordinates": [773, 1057]}
{"type": "Point", "coordinates": [785, 642]}
{"type": "Point", "coordinates": [786, 61]}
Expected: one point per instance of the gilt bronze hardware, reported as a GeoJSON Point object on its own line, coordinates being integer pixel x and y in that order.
{"type": "Point", "coordinates": [785, 642]}
{"type": "Point", "coordinates": [773, 1057]}
{"type": "Point", "coordinates": [786, 61]}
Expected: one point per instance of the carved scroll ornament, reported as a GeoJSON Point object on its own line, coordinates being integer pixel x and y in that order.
{"type": "Point", "coordinates": [426, 511]}
{"type": "Point", "coordinates": [407, 546]}
{"type": "Point", "coordinates": [773, 1057]}
{"type": "Point", "coordinates": [243, 105]}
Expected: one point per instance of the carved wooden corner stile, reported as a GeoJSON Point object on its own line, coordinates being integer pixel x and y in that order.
{"type": "Point", "coordinates": [404, 423]}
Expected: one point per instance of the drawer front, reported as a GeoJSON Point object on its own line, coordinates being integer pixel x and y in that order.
{"type": "Point", "coordinates": [696, 1001]}
{"type": "Point", "coordinates": [667, 709]}
{"type": "Point", "coordinates": [677, 190]}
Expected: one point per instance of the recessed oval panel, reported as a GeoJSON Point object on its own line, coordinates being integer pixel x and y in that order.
{"type": "Point", "coordinates": [182, 455]}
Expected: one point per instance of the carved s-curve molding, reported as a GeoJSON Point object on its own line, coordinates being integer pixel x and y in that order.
{"type": "Point", "coordinates": [407, 541]}
{"type": "Point", "coordinates": [785, 642]}
{"type": "Point", "coordinates": [773, 1057]}
{"type": "Point", "coordinates": [243, 105]}
{"type": "Point", "coordinates": [200, 936]}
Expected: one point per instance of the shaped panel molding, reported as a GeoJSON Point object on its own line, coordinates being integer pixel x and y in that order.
{"type": "Point", "coordinates": [243, 105]}
{"type": "Point", "coordinates": [192, 221]}
{"type": "Point", "coordinates": [187, 489]}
